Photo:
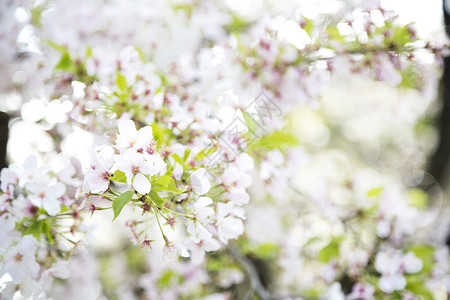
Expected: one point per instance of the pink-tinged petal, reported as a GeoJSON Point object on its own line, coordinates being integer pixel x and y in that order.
{"type": "Point", "coordinates": [98, 183]}
{"type": "Point", "coordinates": [141, 184]}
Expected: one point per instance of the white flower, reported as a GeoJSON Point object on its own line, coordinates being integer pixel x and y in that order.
{"type": "Point", "coordinates": [177, 171]}
{"type": "Point", "coordinates": [197, 250]}
{"type": "Point", "coordinates": [129, 137]}
{"type": "Point", "coordinates": [7, 177]}
{"type": "Point", "coordinates": [135, 166]}
{"type": "Point", "coordinates": [46, 197]}
{"type": "Point", "coordinates": [30, 171]}
{"type": "Point", "coordinates": [201, 213]}
{"type": "Point", "coordinates": [19, 260]}
{"type": "Point", "coordinates": [271, 163]}
{"type": "Point", "coordinates": [7, 225]}
{"type": "Point", "coordinates": [229, 223]}
{"type": "Point", "coordinates": [411, 263]}
{"type": "Point", "coordinates": [362, 292]}
{"type": "Point", "coordinates": [392, 264]}
{"type": "Point", "coordinates": [96, 179]}
{"type": "Point", "coordinates": [392, 282]}
{"type": "Point", "coordinates": [200, 184]}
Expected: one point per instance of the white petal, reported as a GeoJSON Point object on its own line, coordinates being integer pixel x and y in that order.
{"type": "Point", "coordinates": [200, 184]}
{"type": "Point", "coordinates": [141, 184]}
{"type": "Point", "coordinates": [51, 206]}
{"type": "Point", "coordinates": [56, 190]}
{"type": "Point", "coordinates": [127, 127]}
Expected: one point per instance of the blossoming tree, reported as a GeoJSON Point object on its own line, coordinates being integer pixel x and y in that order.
{"type": "Point", "coordinates": [231, 145]}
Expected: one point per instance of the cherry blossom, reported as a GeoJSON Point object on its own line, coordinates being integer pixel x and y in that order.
{"type": "Point", "coordinates": [20, 261]}
{"type": "Point", "coordinates": [46, 197]}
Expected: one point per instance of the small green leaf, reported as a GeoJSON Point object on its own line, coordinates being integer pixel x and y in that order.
{"type": "Point", "coordinates": [167, 183]}
{"type": "Point", "coordinates": [119, 176]}
{"type": "Point", "coordinates": [330, 251]}
{"type": "Point", "coordinates": [250, 122]}
{"type": "Point", "coordinates": [276, 140]}
{"type": "Point", "coordinates": [56, 46]}
{"type": "Point", "coordinates": [417, 285]}
{"type": "Point", "coordinates": [120, 202]}
{"type": "Point", "coordinates": [375, 192]}
{"type": "Point", "coordinates": [158, 134]}
{"type": "Point", "coordinates": [186, 154]}
{"type": "Point", "coordinates": [65, 63]}
{"type": "Point", "coordinates": [426, 254]}
{"type": "Point", "coordinates": [177, 158]}
{"type": "Point", "coordinates": [418, 198]}
{"type": "Point", "coordinates": [46, 229]}
{"type": "Point", "coordinates": [121, 82]}
{"type": "Point", "coordinates": [237, 25]}
{"type": "Point", "coordinates": [156, 198]}
{"type": "Point", "coordinates": [35, 229]}
{"type": "Point", "coordinates": [266, 251]}
{"type": "Point", "coordinates": [204, 153]}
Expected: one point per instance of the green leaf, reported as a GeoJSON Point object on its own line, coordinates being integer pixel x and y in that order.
{"type": "Point", "coordinates": [158, 134]}
{"type": "Point", "coordinates": [168, 279]}
{"type": "Point", "coordinates": [120, 202]}
{"type": "Point", "coordinates": [56, 46]}
{"type": "Point", "coordinates": [186, 154]}
{"type": "Point", "coordinates": [156, 198]}
{"type": "Point", "coordinates": [426, 254]}
{"type": "Point", "coordinates": [177, 158]}
{"type": "Point", "coordinates": [204, 153]}
{"type": "Point", "coordinates": [65, 63]}
{"type": "Point", "coordinates": [250, 122]}
{"type": "Point", "coordinates": [417, 285]}
{"type": "Point", "coordinates": [119, 176]}
{"type": "Point", "coordinates": [277, 140]}
{"type": "Point", "coordinates": [266, 251]}
{"type": "Point", "coordinates": [334, 34]}
{"type": "Point", "coordinates": [375, 192]}
{"type": "Point", "coordinates": [34, 229]}
{"type": "Point", "coordinates": [418, 198]}
{"type": "Point", "coordinates": [167, 183]}
{"type": "Point", "coordinates": [237, 25]}
{"type": "Point", "coordinates": [121, 82]}
{"type": "Point", "coordinates": [330, 251]}
{"type": "Point", "coordinates": [46, 229]}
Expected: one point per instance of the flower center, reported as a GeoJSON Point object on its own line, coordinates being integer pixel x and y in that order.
{"type": "Point", "coordinates": [18, 257]}
{"type": "Point", "coordinates": [134, 170]}
{"type": "Point", "coordinates": [105, 175]}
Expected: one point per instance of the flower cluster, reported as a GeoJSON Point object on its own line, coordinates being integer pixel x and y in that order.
{"type": "Point", "coordinates": [269, 148]}
{"type": "Point", "coordinates": [40, 226]}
